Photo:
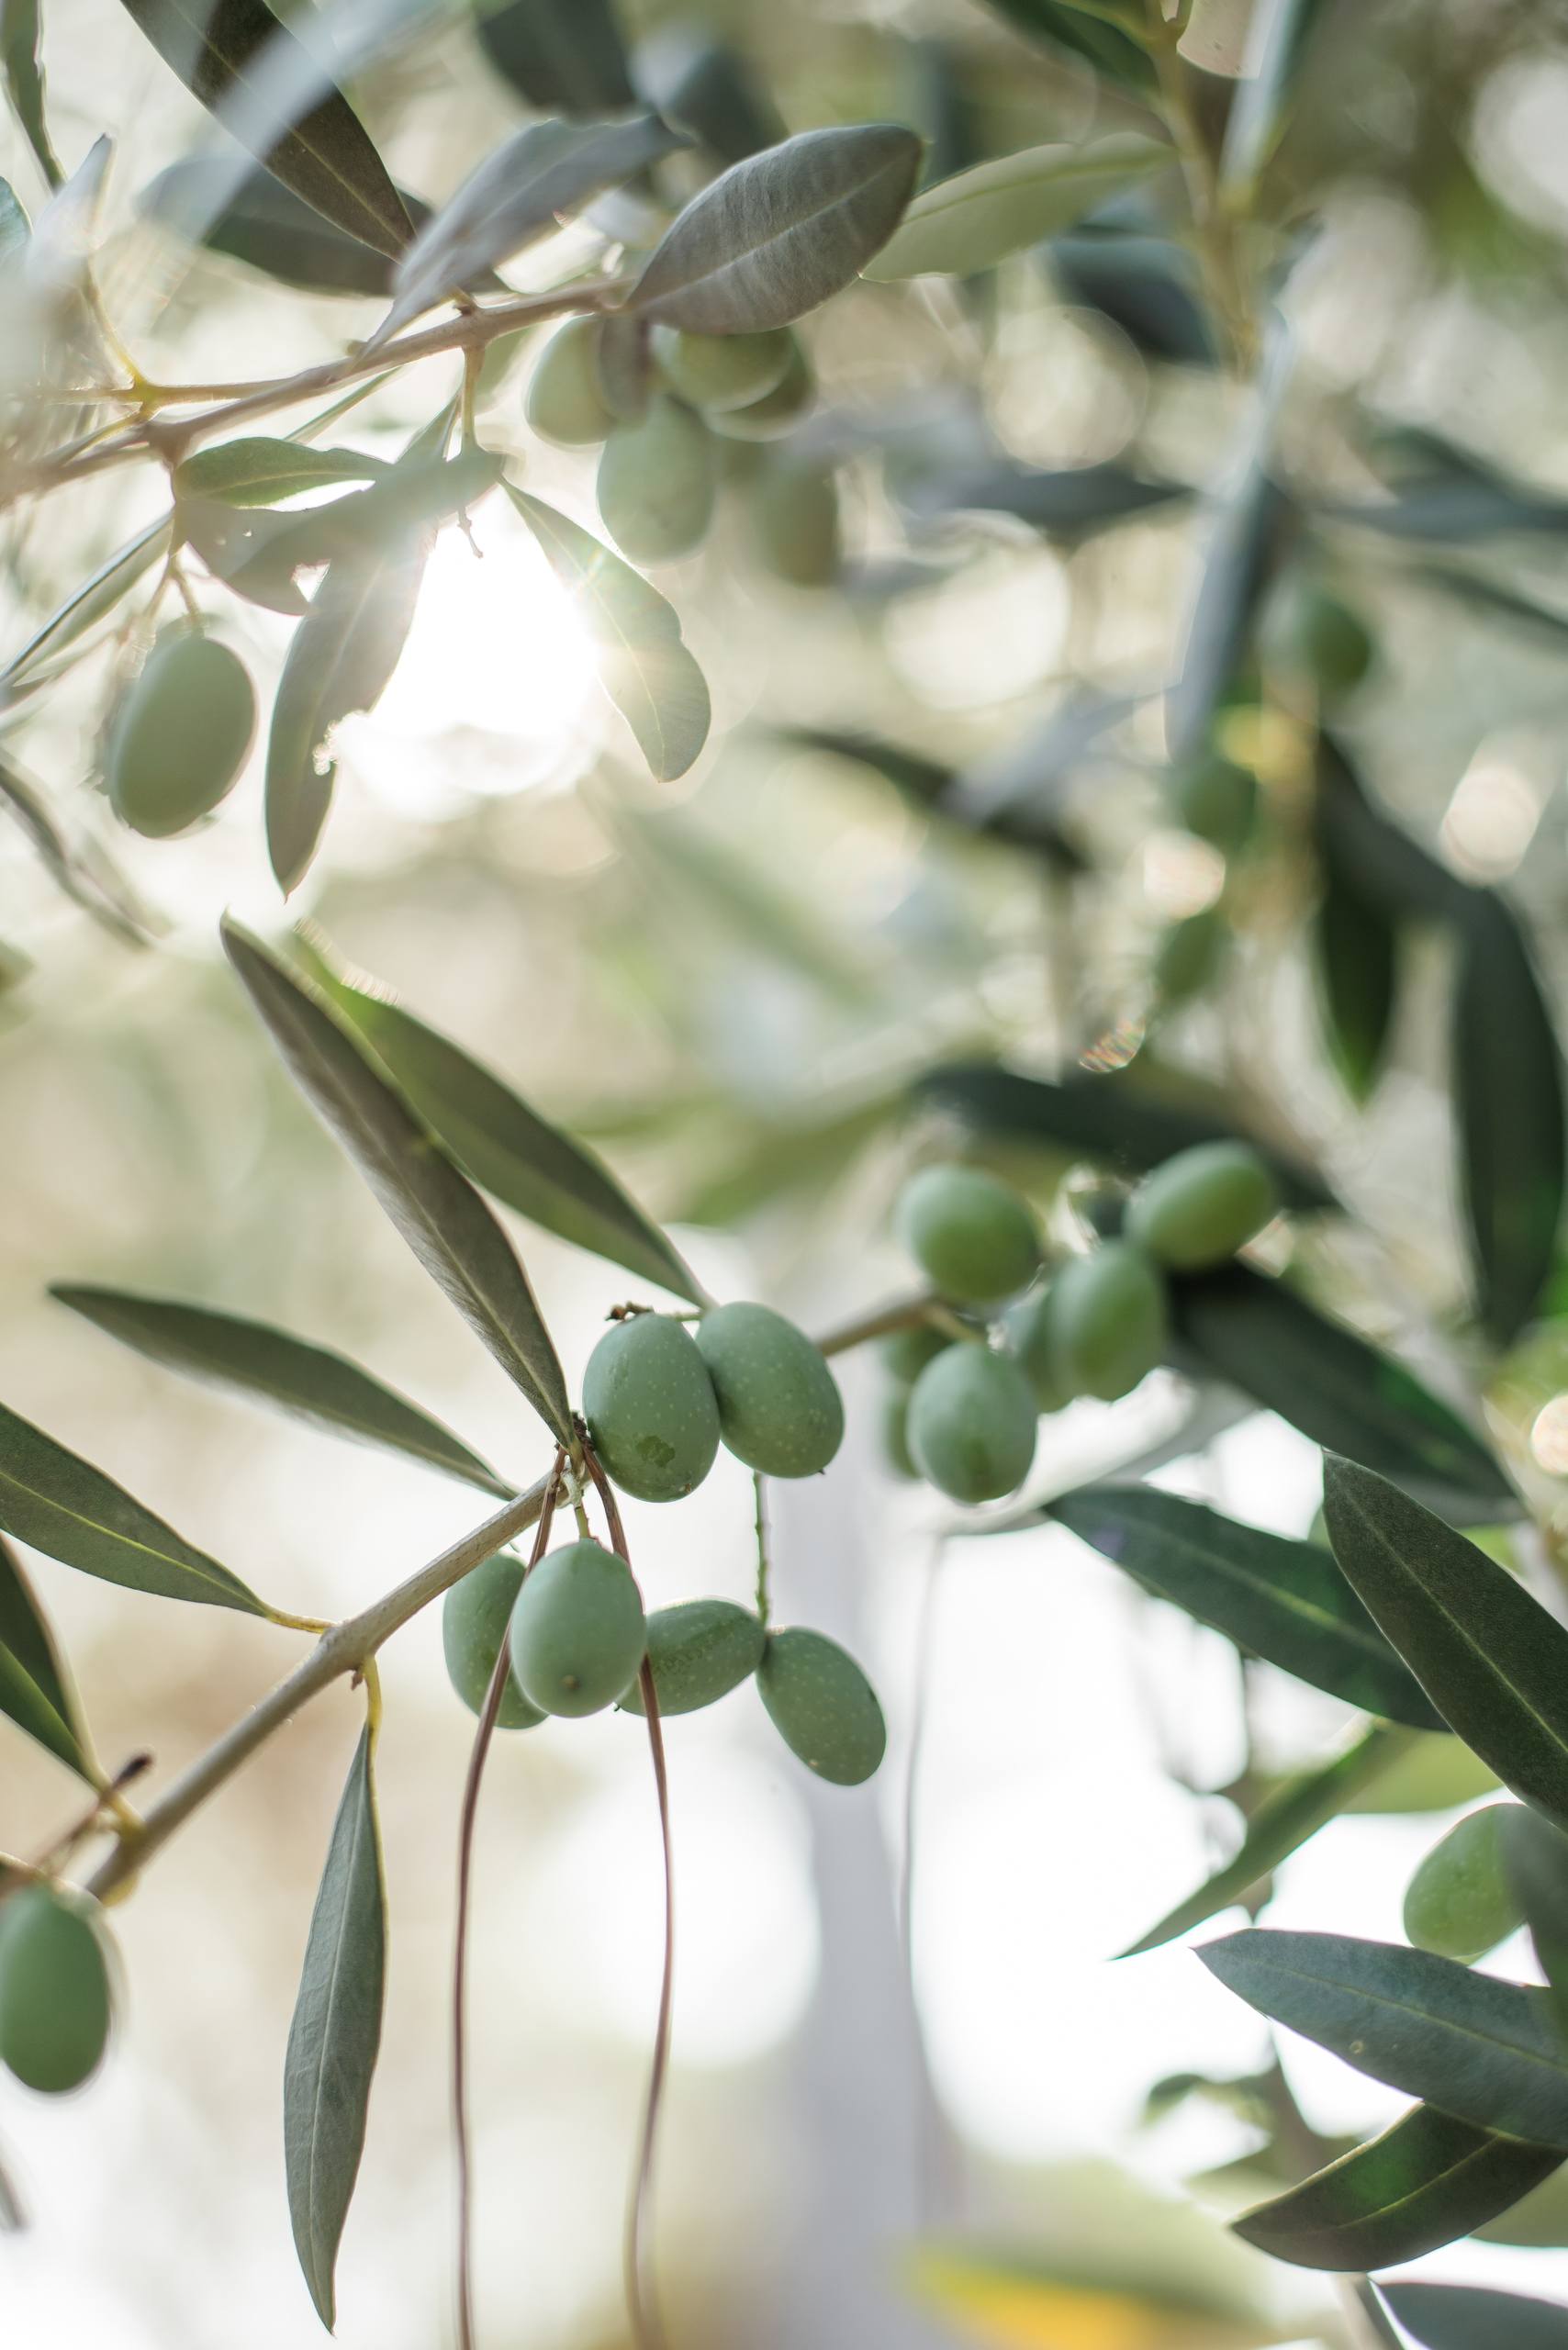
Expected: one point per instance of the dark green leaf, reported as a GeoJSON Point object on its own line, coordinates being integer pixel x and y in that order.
{"type": "Point", "coordinates": [439, 1216]}
{"type": "Point", "coordinates": [776, 234]}
{"type": "Point", "coordinates": [1117, 55]}
{"type": "Point", "coordinates": [1338, 1389]}
{"type": "Point", "coordinates": [1466, 2317]}
{"type": "Point", "coordinates": [1491, 1658]}
{"type": "Point", "coordinates": [1488, 2049]}
{"type": "Point", "coordinates": [1145, 285]}
{"type": "Point", "coordinates": [260, 472]}
{"type": "Point", "coordinates": [34, 1693]}
{"type": "Point", "coordinates": [1357, 951]}
{"type": "Point", "coordinates": [24, 81]}
{"type": "Point", "coordinates": [1111, 1117]}
{"type": "Point", "coordinates": [1284, 1601]}
{"type": "Point", "coordinates": [643, 665]}
{"type": "Point", "coordinates": [308, 1381]}
{"type": "Point", "coordinates": [65, 1507]}
{"type": "Point", "coordinates": [1389, 868]}
{"type": "Point", "coordinates": [252, 218]}
{"type": "Point", "coordinates": [335, 2036]}
{"type": "Point", "coordinates": [1069, 506]}
{"type": "Point", "coordinates": [564, 53]}
{"type": "Point", "coordinates": [706, 89]}
{"type": "Point", "coordinates": [980, 215]}
{"type": "Point", "coordinates": [1294, 1810]}
{"type": "Point", "coordinates": [308, 136]}
{"type": "Point", "coordinates": [503, 1146]}
{"type": "Point", "coordinates": [1425, 2182]}
{"type": "Point", "coordinates": [1535, 1862]}
{"type": "Point", "coordinates": [1507, 1086]}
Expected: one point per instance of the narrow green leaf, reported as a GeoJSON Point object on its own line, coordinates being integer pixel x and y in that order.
{"type": "Point", "coordinates": [88, 604]}
{"type": "Point", "coordinates": [1284, 1601]}
{"type": "Point", "coordinates": [1149, 287]}
{"type": "Point", "coordinates": [565, 53]}
{"type": "Point", "coordinates": [252, 218]}
{"type": "Point", "coordinates": [1337, 1389]}
{"type": "Point", "coordinates": [308, 1381]}
{"type": "Point", "coordinates": [1356, 948]}
{"type": "Point", "coordinates": [87, 878]}
{"type": "Point", "coordinates": [34, 1693]}
{"type": "Point", "coordinates": [643, 665]}
{"type": "Point", "coordinates": [310, 137]}
{"type": "Point", "coordinates": [1391, 868]}
{"type": "Point", "coordinates": [706, 89]}
{"type": "Point", "coordinates": [1535, 1862]}
{"type": "Point", "coordinates": [1488, 2051]}
{"type": "Point", "coordinates": [438, 1212]}
{"type": "Point", "coordinates": [776, 234]}
{"type": "Point", "coordinates": [1120, 56]}
{"type": "Point", "coordinates": [1507, 1087]}
{"type": "Point", "coordinates": [1246, 535]}
{"type": "Point", "coordinates": [260, 472]}
{"type": "Point", "coordinates": [62, 1506]}
{"type": "Point", "coordinates": [1492, 1659]}
{"type": "Point", "coordinates": [335, 2036]}
{"type": "Point", "coordinates": [1425, 2182]}
{"type": "Point", "coordinates": [1066, 506]}
{"type": "Point", "coordinates": [20, 31]}
{"type": "Point", "coordinates": [979, 216]}
{"type": "Point", "coordinates": [1467, 2317]}
{"type": "Point", "coordinates": [506, 1147]}
{"type": "Point", "coordinates": [1295, 1809]}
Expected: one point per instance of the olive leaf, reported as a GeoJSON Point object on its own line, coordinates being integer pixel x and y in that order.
{"type": "Point", "coordinates": [85, 875]}
{"type": "Point", "coordinates": [706, 89]}
{"type": "Point", "coordinates": [1491, 1658]}
{"type": "Point", "coordinates": [780, 233]}
{"type": "Point", "coordinates": [502, 1145]}
{"type": "Point", "coordinates": [1469, 2317]}
{"type": "Point", "coordinates": [438, 1212]}
{"type": "Point", "coordinates": [309, 1382]}
{"type": "Point", "coordinates": [1281, 1825]}
{"type": "Point", "coordinates": [234, 55]}
{"type": "Point", "coordinates": [565, 53]}
{"type": "Point", "coordinates": [979, 216]}
{"type": "Point", "coordinates": [86, 605]}
{"type": "Point", "coordinates": [62, 1506]}
{"type": "Point", "coordinates": [1535, 1863]}
{"type": "Point", "coordinates": [34, 1692]}
{"type": "Point", "coordinates": [1356, 949]}
{"type": "Point", "coordinates": [1119, 56]}
{"type": "Point", "coordinates": [240, 210]}
{"type": "Point", "coordinates": [262, 472]}
{"type": "Point", "coordinates": [1066, 506]}
{"type": "Point", "coordinates": [1389, 867]}
{"type": "Point", "coordinates": [642, 666]}
{"type": "Point", "coordinates": [1425, 2182]}
{"type": "Point", "coordinates": [1507, 1090]}
{"type": "Point", "coordinates": [1338, 1389]}
{"type": "Point", "coordinates": [335, 2035]}
{"type": "Point", "coordinates": [1284, 1601]}
{"type": "Point", "coordinates": [23, 70]}
{"type": "Point", "coordinates": [1147, 286]}
{"type": "Point", "coordinates": [1489, 2051]}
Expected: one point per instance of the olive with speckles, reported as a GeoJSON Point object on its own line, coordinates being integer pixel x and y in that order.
{"type": "Point", "coordinates": [780, 1408]}
{"type": "Point", "coordinates": [822, 1706]}
{"type": "Point", "coordinates": [650, 1407]}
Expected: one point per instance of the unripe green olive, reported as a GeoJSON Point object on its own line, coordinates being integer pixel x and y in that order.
{"type": "Point", "coordinates": [180, 736]}
{"type": "Point", "coordinates": [777, 410]}
{"type": "Point", "coordinates": [972, 1424]}
{"type": "Point", "coordinates": [54, 1988]}
{"type": "Point", "coordinates": [657, 483]}
{"type": "Point", "coordinates": [1459, 1903]}
{"type": "Point", "coordinates": [721, 370]}
{"type": "Point", "coordinates": [474, 1619]}
{"type": "Point", "coordinates": [972, 1235]}
{"type": "Point", "coordinates": [1332, 644]}
{"type": "Point", "coordinates": [577, 1630]}
{"type": "Point", "coordinates": [650, 1407]}
{"type": "Point", "coordinates": [779, 1409]}
{"type": "Point", "coordinates": [822, 1706]}
{"type": "Point", "coordinates": [1202, 1205]}
{"type": "Point", "coordinates": [896, 1453]}
{"type": "Point", "coordinates": [1187, 954]}
{"type": "Point", "coordinates": [1217, 801]}
{"type": "Point", "coordinates": [564, 403]}
{"type": "Point", "coordinates": [699, 1651]}
{"type": "Point", "coordinates": [1108, 1320]}
{"type": "Point", "coordinates": [794, 512]}
{"type": "Point", "coordinates": [1028, 1326]}
{"type": "Point", "coordinates": [905, 1353]}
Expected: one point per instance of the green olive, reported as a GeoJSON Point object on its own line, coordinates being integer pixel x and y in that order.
{"type": "Point", "coordinates": [822, 1706]}
{"type": "Point", "coordinates": [779, 1409]}
{"type": "Point", "coordinates": [699, 1651]}
{"type": "Point", "coordinates": [474, 1619]}
{"type": "Point", "coordinates": [723, 371]}
{"type": "Point", "coordinates": [54, 1988]}
{"type": "Point", "coordinates": [1202, 1205]}
{"type": "Point", "coordinates": [577, 1630]}
{"type": "Point", "coordinates": [650, 1407]}
{"type": "Point", "coordinates": [657, 483]}
{"type": "Point", "coordinates": [564, 403]}
{"type": "Point", "coordinates": [794, 512]}
{"type": "Point", "coordinates": [1459, 1903]}
{"type": "Point", "coordinates": [777, 410]}
{"type": "Point", "coordinates": [1217, 801]}
{"type": "Point", "coordinates": [905, 1353]}
{"type": "Point", "coordinates": [1108, 1321]}
{"type": "Point", "coordinates": [1332, 644]}
{"type": "Point", "coordinates": [180, 734]}
{"type": "Point", "coordinates": [1188, 954]}
{"type": "Point", "coordinates": [1028, 1326]}
{"type": "Point", "coordinates": [972, 1424]}
{"type": "Point", "coordinates": [973, 1236]}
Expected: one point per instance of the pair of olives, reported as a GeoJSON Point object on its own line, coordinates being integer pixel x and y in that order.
{"type": "Point", "coordinates": [180, 733]}
{"type": "Point", "coordinates": [576, 1638]}
{"type": "Point", "coordinates": [54, 1987]}
{"type": "Point", "coordinates": [659, 1400]}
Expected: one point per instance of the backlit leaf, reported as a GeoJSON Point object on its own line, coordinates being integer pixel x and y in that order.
{"type": "Point", "coordinates": [260, 472]}
{"type": "Point", "coordinates": [979, 216]}
{"type": "Point", "coordinates": [34, 1692]}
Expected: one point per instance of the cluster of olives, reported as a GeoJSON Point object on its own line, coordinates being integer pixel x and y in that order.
{"type": "Point", "coordinates": [54, 1987]}
{"type": "Point", "coordinates": [664, 424]}
{"type": "Point", "coordinates": [180, 732]}
{"type": "Point", "coordinates": [966, 1390]}
{"type": "Point", "coordinates": [658, 1401]}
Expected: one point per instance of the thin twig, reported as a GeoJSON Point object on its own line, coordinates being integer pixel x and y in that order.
{"type": "Point", "coordinates": [764, 1591]}
{"type": "Point", "coordinates": [470, 1813]}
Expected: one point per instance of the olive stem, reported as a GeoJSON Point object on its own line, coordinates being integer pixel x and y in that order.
{"type": "Point", "coordinates": [764, 1564]}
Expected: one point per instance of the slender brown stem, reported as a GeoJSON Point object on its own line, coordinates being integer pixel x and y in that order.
{"type": "Point", "coordinates": [470, 1813]}
{"type": "Point", "coordinates": [900, 1314]}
